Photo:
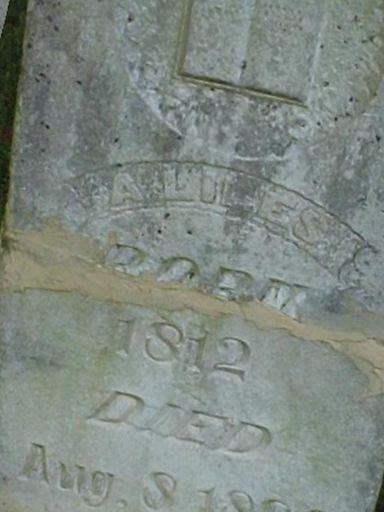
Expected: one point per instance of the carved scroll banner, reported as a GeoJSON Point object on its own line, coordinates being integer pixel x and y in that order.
{"type": "Point", "coordinates": [192, 282]}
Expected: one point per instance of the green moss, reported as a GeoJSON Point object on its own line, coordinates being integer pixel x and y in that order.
{"type": "Point", "coordinates": [11, 44]}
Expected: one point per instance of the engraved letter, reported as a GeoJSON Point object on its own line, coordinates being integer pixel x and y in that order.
{"type": "Point", "coordinates": [242, 502]}
{"type": "Point", "coordinates": [93, 488]}
{"type": "Point", "coordinates": [36, 466]}
{"type": "Point", "coordinates": [163, 342]}
{"type": "Point", "coordinates": [274, 506]}
{"type": "Point", "coordinates": [96, 491]}
{"type": "Point", "coordinates": [233, 284]}
{"type": "Point", "coordinates": [181, 270]}
{"type": "Point", "coordinates": [208, 500]}
{"type": "Point", "coordinates": [204, 429]}
{"type": "Point", "coordinates": [159, 491]}
{"type": "Point", "coordinates": [213, 187]}
{"type": "Point", "coordinates": [277, 214]}
{"type": "Point", "coordinates": [118, 408]}
{"type": "Point", "coordinates": [248, 437]}
{"type": "Point", "coordinates": [125, 190]}
{"type": "Point", "coordinates": [124, 333]}
{"type": "Point", "coordinates": [66, 478]}
{"type": "Point", "coordinates": [234, 355]}
{"type": "Point", "coordinates": [126, 258]}
{"type": "Point", "coordinates": [167, 420]}
{"type": "Point", "coordinates": [311, 227]}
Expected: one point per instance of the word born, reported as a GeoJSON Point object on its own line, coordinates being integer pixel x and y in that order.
{"type": "Point", "coordinates": [211, 431]}
{"type": "Point", "coordinates": [92, 487]}
{"type": "Point", "coordinates": [228, 283]}
{"type": "Point", "coordinates": [160, 491]}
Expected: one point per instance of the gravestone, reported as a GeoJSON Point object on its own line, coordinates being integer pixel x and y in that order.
{"type": "Point", "coordinates": [192, 259]}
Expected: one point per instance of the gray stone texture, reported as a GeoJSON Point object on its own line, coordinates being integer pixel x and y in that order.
{"type": "Point", "coordinates": [192, 260]}
{"type": "Point", "coordinates": [123, 124]}
{"type": "Point", "coordinates": [231, 408]}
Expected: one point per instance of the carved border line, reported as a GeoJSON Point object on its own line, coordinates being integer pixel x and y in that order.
{"type": "Point", "coordinates": [120, 167]}
{"type": "Point", "coordinates": [181, 74]}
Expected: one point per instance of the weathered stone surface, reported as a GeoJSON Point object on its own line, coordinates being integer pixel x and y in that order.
{"type": "Point", "coordinates": [161, 145]}
{"type": "Point", "coordinates": [193, 245]}
{"type": "Point", "coordinates": [145, 409]}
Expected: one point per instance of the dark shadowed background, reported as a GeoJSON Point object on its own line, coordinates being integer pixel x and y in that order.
{"type": "Point", "coordinates": [11, 43]}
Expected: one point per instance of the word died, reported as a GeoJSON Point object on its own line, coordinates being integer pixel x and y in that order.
{"type": "Point", "coordinates": [169, 420]}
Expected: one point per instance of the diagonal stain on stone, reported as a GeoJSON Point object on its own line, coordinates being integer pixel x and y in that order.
{"type": "Point", "coordinates": [59, 261]}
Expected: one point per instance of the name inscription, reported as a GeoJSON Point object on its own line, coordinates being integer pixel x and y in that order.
{"type": "Point", "coordinates": [257, 202]}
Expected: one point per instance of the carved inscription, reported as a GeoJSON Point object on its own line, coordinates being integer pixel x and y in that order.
{"type": "Point", "coordinates": [214, 432]}
{"type": "Point", "coordinates": [284, 297]}
{"type": "Point", "coordinates": [36, 466]}
{"type": "Point", "coordinates": [193, 347]}
{"type": "Point", "coordinates": [233, 284]}
{"type": "Point", "coordinates": [230, 284]}
{"type": "Point", "coordinates": [160, 491]}
{"type": "Point", "coordinates": [167, 343]}
{"type": "Point", "coordinates": [262, 208]}
{"type": "Point", "coordinates": [255, 201]}
{"type": "Point", "coordinates": [257, 60]}
{"type": "Point", "coordinates": [239, 501]}
{"type": "Point", "coordinates": [93, 487]}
